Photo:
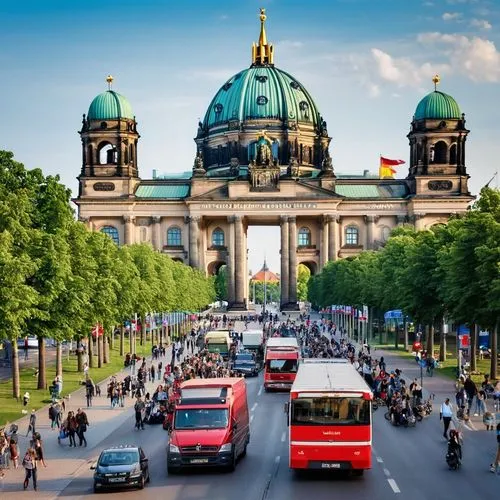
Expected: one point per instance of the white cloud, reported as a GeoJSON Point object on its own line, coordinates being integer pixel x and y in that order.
{"type": "Point", "coordinates": [476, 58]}
{"type": "Point", "coordinates": [295, 44]}
{"type": "Point", "coordinates": [428, 4]}
{"type": "Point", "coordinates": [452, 16]}
{"type": "Point", "coordinates": [482, 24]}
{"type": "Point", "coordinates": [403, 71]}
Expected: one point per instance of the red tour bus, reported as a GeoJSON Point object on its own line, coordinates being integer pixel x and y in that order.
{"type": "Point", "coordinates": [329, 415]}
{"type": "Point", "coordinates": [281, 362]}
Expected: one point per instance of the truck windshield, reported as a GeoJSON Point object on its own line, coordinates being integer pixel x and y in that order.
{"type": "Point", "coordinates": [282, 366]}
{"type": "Point", "coordinates": [216, 346]}
{"type": "Point", "coordinates": [201, 418]}
{"type": "Point", "coordinates": [330, 411]}
{"type": "Point", "coordinates": [244, 357]}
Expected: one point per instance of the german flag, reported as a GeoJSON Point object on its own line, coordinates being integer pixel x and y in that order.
{"type": "Point", "coordinates": [386, 170]}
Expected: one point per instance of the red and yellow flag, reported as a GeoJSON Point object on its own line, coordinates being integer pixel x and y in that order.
{"type": "Point", "coordinates": [386, 170]}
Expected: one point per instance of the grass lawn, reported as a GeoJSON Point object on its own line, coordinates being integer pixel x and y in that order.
{"type": "Point", "coordinates": [11, 410]}
{"type": "Point", "coordinates": [447, 368]}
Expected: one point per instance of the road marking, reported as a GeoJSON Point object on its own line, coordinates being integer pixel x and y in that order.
{"type": "Point", "coordinates": [283, 437]}
{"type": "Point", "coordinates": [251, 418]}
{"type": "Point", "coordinates": [260, 391]}
{"type": "Point", "coordinates": [379, 460]}
{"type": "Point", "coordinates": [277, 460]}
{"type": "Point", "coordinates": [254, 406]}
{"type": "Point", "coordinates": [387, 472]}
{"type": "Point", "coordinates": [394, 485]}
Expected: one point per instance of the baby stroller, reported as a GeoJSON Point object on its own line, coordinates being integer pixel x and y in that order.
{"type": "Point", "coordinates": [454, 453]}
{"type": "Point", "coordinates": [153, 414]}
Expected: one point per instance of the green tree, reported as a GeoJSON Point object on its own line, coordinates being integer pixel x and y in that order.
{"type": "Point", "coordinates": [221, 283]}
{"type": "Point", "coordinates": [303, 276]}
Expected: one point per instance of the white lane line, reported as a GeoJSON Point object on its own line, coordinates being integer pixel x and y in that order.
{"type": "Point", "coordinates": [251, 418]}
{"type": "Point", "coordinates": [387, 472]}
{"type": "Point", "coordinates": [283, 437]}
{"type": "Point", "coordinates": [254, 406]}
{"type": "Point", "coordinates": [277, 460]}
{"type": "Point", "coordinates": [260, 391]}
{"type": "Point", "coordinates": [379, 460]}
{"type": "Point", "coordinates": [394, 485]}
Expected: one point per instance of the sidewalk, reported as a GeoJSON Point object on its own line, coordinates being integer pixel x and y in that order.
{"type": "Point", "coordinates": [63, 462]}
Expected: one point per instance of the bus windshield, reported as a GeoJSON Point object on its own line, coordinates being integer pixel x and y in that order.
{"type": "Point", "coordinates": [330, 411]}
{"type": "Point", "coordinates": [282, 366]}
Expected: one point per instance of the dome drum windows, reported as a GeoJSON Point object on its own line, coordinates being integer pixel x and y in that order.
{"type": "Point", "coordinates": [218, 108]}
{"type": "Point", "coordinates": [112, 232]}
{"type": "Point", "coordinates": [174, 237]}
{"type": "Point", "coordinates": [262, 100]}
{"type": "Point", "coordinates": [218, 239]}
{"type": "Point", "coordinates": [227, 86]}
{"type": "Point", "coordinates": [261, 78]}
{"type": "Point", "coordinates": [295, 85]}
{"type": "Point", "coordinates": [352, 236]}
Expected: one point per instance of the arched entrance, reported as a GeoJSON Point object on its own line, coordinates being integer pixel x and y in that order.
{"type": "Point", "coordinates": [311, 265]}
{"type": "Point", "coordinates": [214, 267]}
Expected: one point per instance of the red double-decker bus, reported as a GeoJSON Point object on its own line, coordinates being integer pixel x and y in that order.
{"type": "Point", "coordinates": [329, 417]}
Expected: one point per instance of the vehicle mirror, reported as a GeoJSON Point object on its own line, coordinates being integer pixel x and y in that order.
{"type": "Point", "coordinates": [234, 425]}
{"type": "Point", "coordinates": [144, 460]}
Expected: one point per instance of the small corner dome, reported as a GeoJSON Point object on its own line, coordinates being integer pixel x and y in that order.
{"type": "Point", "coordinates": [110, 105]}
{"type": "Point", "coordinates": [438, 106]}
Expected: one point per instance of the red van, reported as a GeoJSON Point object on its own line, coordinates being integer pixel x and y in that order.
{"type": "Point", "coordinates": [210, 425]}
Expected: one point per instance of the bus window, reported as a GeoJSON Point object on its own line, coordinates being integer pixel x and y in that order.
{"type": "Point", "coordinates": [330, 411]}
{"type": "Point", "coordinates": [282, 366]}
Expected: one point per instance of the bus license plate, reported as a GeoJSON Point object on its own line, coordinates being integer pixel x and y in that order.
{"type": "Point", "coordinates": [331, 465]}
{"type": "Point", "coordinates": [199, 460]}
{"type": "Point", "coordinates": [317, 464]}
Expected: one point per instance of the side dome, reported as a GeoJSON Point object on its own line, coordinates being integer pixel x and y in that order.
{"type": "Point", "coordinates": [438, 106]}
{"type": "Point", "coordinates": [262, 93]}
{"type": "Point", "coordinates": [110, 105]}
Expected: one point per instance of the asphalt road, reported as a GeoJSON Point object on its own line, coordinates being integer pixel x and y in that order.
{"type": "Point", "coordinates": [406, 462]}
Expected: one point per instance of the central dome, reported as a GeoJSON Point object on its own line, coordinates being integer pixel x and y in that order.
{"type": "Point", "coordinates": [262, 101]}
{"type": "Point", "coordinates": [259, 93]}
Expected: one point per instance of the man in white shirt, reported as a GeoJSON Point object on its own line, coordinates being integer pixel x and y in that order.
{"type": "Point", "coordinates": [446, 414]}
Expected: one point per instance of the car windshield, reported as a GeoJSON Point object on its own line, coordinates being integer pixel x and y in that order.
{"type": "Point", "coordinates": [282, 366]}
{"type": "Point", "coordinates": [244, 357]}
{"type": "Point", "coordinates": [202, 418]}
{"type": "Point", "coordinates": [330, 411]}
{"type": "Point", "coordinates": [110, 458]}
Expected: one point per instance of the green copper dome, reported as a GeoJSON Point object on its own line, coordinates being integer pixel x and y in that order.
{"type": "Point", "coordinates": [438, 106]}
{"type": "Point", "coordinates": [110, 105]}
{"type": "Point", "coordinates": [262, 92]}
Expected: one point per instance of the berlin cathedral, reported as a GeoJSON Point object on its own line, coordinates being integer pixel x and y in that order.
{"type": "Point", "coordinates": [262, 158]}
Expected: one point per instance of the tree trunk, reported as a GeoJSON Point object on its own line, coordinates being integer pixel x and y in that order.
{"type": "Point", "coordinates": [405, 333]}
{"type": "Point", "coordinates": [111, 338]}
{"type": "Point", "coordinates": [131, 339]}
{"type": "Point", "coordinates": [99, 351]}
{"type": "Point", "coordinates": [473, 344]}
{"type": "Point", "coordinates": [42, 377]}
{"type": "Point", "coordinates": [442, 342]}
{"type": "Point", "coordinates": [396, 337]}
{"type": "Point", "coordinates": [122, 340]}
{"type": "Point", "coordinates": [59, 359]}
{"type": "Point", "coordinates": [370, 325]}
{"type": "Point", "coordinates": [92, 358]}
{"type": "Point", "coordinates": [79, 356]}
{"type": "Point", "coordinates": [16, 382]}
{"type": "Point", "coordinates": [494, 353]}
{"type": "Point", "coordinates": [143, 330]}
{"type": "Point", "coordinates": [105, 349]}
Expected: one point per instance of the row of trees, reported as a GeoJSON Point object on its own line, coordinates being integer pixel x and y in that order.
{"type": "Point", "coordinates": [450, 271]}
{"type": "Point", "coordinates": [57, 279]}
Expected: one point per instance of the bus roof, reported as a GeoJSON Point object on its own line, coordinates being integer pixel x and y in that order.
{"type": "Point", "coordinates": [328, 377]}
{"type": "Point", "coordinates": [212, 382]}
{"type": "Point", "coordinates": [282, 342]}
{"type": "Point", "coordinates": [282, 354]}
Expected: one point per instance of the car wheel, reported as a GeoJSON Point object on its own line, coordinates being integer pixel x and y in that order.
{"type": "Point", "coordinates": [142, 483]}
{"type": "Point", "coordinates": [232, 465]}
{"type": "Point", "coordinates": [96, 488]}
{"type": "Point", "coordinates": [148, 479]}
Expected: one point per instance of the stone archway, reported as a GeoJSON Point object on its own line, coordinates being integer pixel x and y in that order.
{"type": "Point", "coordinates": [213, 267]}
{"type": "Point", "coordinates": [311, 265]}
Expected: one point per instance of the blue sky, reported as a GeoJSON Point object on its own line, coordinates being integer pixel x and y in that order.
{"type": "Point", "coordinates": [366, 63]}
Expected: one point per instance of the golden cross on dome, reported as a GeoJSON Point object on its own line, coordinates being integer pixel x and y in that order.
{"type": "Point", "coordinates": [436, 79]}
{"type": "Point", "coordinates": [263, 52]}
{"type": "Point", "coordinates": [109, 79]}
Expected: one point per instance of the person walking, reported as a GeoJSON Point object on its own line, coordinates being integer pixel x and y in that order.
{"type": "Point", "coordinates": [446, 414]}
{"type": "Point", "coordinates": [82, 424]}
{"type": "Point", "coordinates": [30, 468]}
{"type": "Point", "coordinates": [13, 450]}
{"type": "Point", "coordinates": [139, 409]}
{"type": "Point", "coordinates": [38, 447]}
{"type": "Point", "coordinates": [32, 423]}
{"type": "Point", "coordinates": [495, 466]}
{"type": "Point", "coordinates": [71, 426]}
{"type": "Point", "coordinates": [26, 347]}
{"type": "Point", "coordinates": [89, 391]}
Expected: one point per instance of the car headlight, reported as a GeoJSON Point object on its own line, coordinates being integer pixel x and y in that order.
{"type": "Point", "coordinates": [173, 449]}
{"type": "Point", "coordinates": [225, 448]}
{"type": "Point", "coordinates": [135, 471]}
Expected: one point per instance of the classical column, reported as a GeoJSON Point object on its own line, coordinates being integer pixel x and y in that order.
{"type": "Point", "coordinates": [239, 261]}
{"type": "Point", "coordinates": [194, 235]}
{"type": "Point", "coordinates": [231, 262]}
{"type": "Point", "coordinates": [285, 256]}
{"type": "Point", "coordinates": [156, 234]}
{"type": "Point", "coordinates": [370, 221]}
{"type": "Point", "coordinates": [401, 219]}
{"type": "Point", "coordinates": [324, 243]}
{"type": "Point", "coordinates": [418, 220]}
{"type": "Point", "coordinates": [332, 236]}
{"type": "Point", "coordinates": [129, 221]}
{"type": "Point", "coordinates": [292, 247]}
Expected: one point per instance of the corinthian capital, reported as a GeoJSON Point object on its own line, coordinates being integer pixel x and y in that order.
{"type": "Point", "coordinates": [128, 218]}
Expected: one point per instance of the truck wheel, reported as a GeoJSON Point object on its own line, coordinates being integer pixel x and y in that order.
{"type": "Point", "coordinates": [171, 470]}
{"type": "Point", "coordinates": [232, 464]}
